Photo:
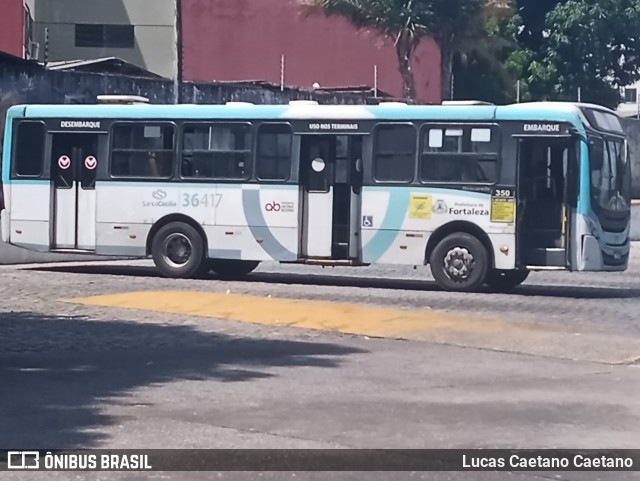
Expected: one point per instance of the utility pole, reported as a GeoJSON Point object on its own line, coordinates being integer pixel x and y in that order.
{"type": "Point", "coordinates": [177, 82]}
{"type": "Point", "coordinates": [46, 47]}
{"type": "Point", "coordinates": [375, 81]}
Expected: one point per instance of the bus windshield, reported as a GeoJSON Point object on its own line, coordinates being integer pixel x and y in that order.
{"type": "Point", "coordinates": [610, 175]}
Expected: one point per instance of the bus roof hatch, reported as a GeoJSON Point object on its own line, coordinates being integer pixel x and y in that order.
{"type": "Point", "coordinates": [465, 102]}
{"type": "Point", "coordinates": [122, 99]}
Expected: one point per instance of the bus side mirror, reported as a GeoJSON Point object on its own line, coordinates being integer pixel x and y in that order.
{"type": "Point", "coordinates": [596, 154]}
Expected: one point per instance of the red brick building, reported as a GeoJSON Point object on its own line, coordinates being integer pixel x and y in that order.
{"type": "Point", "coordinates": [16, 23]}
{"type": "Point", "coordinates": [228, 40]}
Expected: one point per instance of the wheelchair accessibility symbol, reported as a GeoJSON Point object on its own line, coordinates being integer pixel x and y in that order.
{"type": "Point", "coordinates": [367, 221]}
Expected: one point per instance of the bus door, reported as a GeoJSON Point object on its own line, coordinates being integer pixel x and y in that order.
{"type": "Point", "coordinates": [74, 161]}
{"type": "Point", "coordinates": [331, 176]}
{"type": "Point", "coordinates": [547, 176]}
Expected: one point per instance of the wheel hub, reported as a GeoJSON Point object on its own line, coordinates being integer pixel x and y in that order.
{"type": "Point", "coordinates": [458, 264]}
{"type": "Point", "coordinates": [177, 249]}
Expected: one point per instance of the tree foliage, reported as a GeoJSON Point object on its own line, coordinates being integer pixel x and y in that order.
{"type": "Point", "coordinates": [565, 49]}
{"type": "Point", "coordinates": [407, 22]}
{"type": "Point", "coordinates": [479, 60]}
{"type": "Point", "coordinates": [593, 45]}
{"type": "Point", "coordinates": [552, 49]}
{"type": "Point", "coordinates": [532, 15]}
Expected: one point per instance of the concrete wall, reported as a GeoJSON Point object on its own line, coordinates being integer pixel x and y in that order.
{"type": "Point", "coordinates": [26, 82]}
{"type": "Point", "coordinates": [244, 39]}
{"type": "Point", "coordinates": [154, 24]}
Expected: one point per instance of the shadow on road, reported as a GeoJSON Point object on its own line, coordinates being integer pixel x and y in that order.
{"type": "Point", "coordinates": [528, 290]}
{"type": "Point", "coordinates": [57, 373]}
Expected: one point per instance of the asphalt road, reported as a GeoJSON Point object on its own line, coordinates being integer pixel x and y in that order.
{"type": "Point", "coordinates": [561, 370]}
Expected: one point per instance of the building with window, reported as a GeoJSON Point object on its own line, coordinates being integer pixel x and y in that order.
{"type": "Point", "coordinates": [630, 107]}
{"type": "Point", "coordinates": [142, 32]}
{"type": "Point", "coordinates": [631, 94]}
{"type": "Point", "coordinates": [16, 28]}
{"type": "Point", "coordinates": [223, 40]}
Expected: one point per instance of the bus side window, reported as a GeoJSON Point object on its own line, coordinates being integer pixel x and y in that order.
{"type": "Point", "coordinates": [217, 151]}
{"type": "Point", "coordinates": [29, 151]}
{"type": "Point", "coordinates": [394, 156]}
{"type": "Point", "coordinates": [140, 150]}
{"type": "Point", "coordinates": [460, 154]}
{"type": "Point", "coordinates": [274, 152]}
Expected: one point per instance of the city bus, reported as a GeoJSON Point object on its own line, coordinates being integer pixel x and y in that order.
{"type": "Point", "coordinates": [483, 194]}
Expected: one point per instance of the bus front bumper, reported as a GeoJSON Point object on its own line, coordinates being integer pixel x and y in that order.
{"type": "Point", "coordinates": [4, 225]}
{"type": "Point", "coordinates": [597, 256]}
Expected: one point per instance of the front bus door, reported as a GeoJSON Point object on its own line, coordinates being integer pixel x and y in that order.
{"type": "Point", "coordinates": [331, 176]}
{"type": "Point", "coordinates": [74, 160]}
{"type": "Point", "coordinates": [547, 176]}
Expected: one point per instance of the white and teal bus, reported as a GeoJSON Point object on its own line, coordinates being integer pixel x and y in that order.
{"type": "Point", "coordinates": [481, 193]}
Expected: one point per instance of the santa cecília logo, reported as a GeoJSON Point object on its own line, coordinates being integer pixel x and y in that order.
{"type": "Point", "coordinates": [159, 197]}
{"type": "Point", "coordinates": [159, 194]}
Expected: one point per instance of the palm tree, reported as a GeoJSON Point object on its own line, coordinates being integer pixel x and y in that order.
{"type": "Point", "coordinates": [407, 22]}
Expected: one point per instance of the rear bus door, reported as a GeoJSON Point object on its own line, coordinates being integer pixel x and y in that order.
{"type": "Point", "coordinates": [74, 161]}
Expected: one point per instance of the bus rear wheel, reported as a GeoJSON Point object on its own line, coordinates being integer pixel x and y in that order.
{"type": "Point", "coordinates": [459, 263]}
{"type": "Point", "coordinates": [505, 280]}
{"type": "Point", "coordinates": [230, 268]}
{"type": "Point", "coordinates": [178, 251]}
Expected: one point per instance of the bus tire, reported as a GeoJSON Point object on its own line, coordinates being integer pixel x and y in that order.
{"type": "Point", "coordinates": [506, 280]}
{"type": "Point", "coordinates": [178, 251]}
{"type": "Point", "coordinates": [232, 268]}
{"type": "Point", "coordinates": [459, 263]}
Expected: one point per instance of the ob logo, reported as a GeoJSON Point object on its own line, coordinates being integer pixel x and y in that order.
{"type": "Point", "coordinates": [272, 207]}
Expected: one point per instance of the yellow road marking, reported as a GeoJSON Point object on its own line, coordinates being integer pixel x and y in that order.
{"type": "Point", "coordinates": [320, 315]}
{"type": "Point", "coordinates": [424, 325]}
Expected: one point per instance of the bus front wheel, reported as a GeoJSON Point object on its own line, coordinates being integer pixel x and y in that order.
{"type": "Point", "coordinates": [505, 280]}
{"type": "Point", "coordinates": [230, 268]}
{"type": "Point", "coordinates": [178, 251]}
{"type": "Point", "coordinates": [459, 262]}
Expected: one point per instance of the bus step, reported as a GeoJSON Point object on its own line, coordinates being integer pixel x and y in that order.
{"type": "Point", "coordinates": [73, 251]}
{"type": "Point", "coordinates": [545, 256]}
{"type": "Point", "coordinates": [546, 268]}
{"type": "Point", "coordinates": [330, 262]}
